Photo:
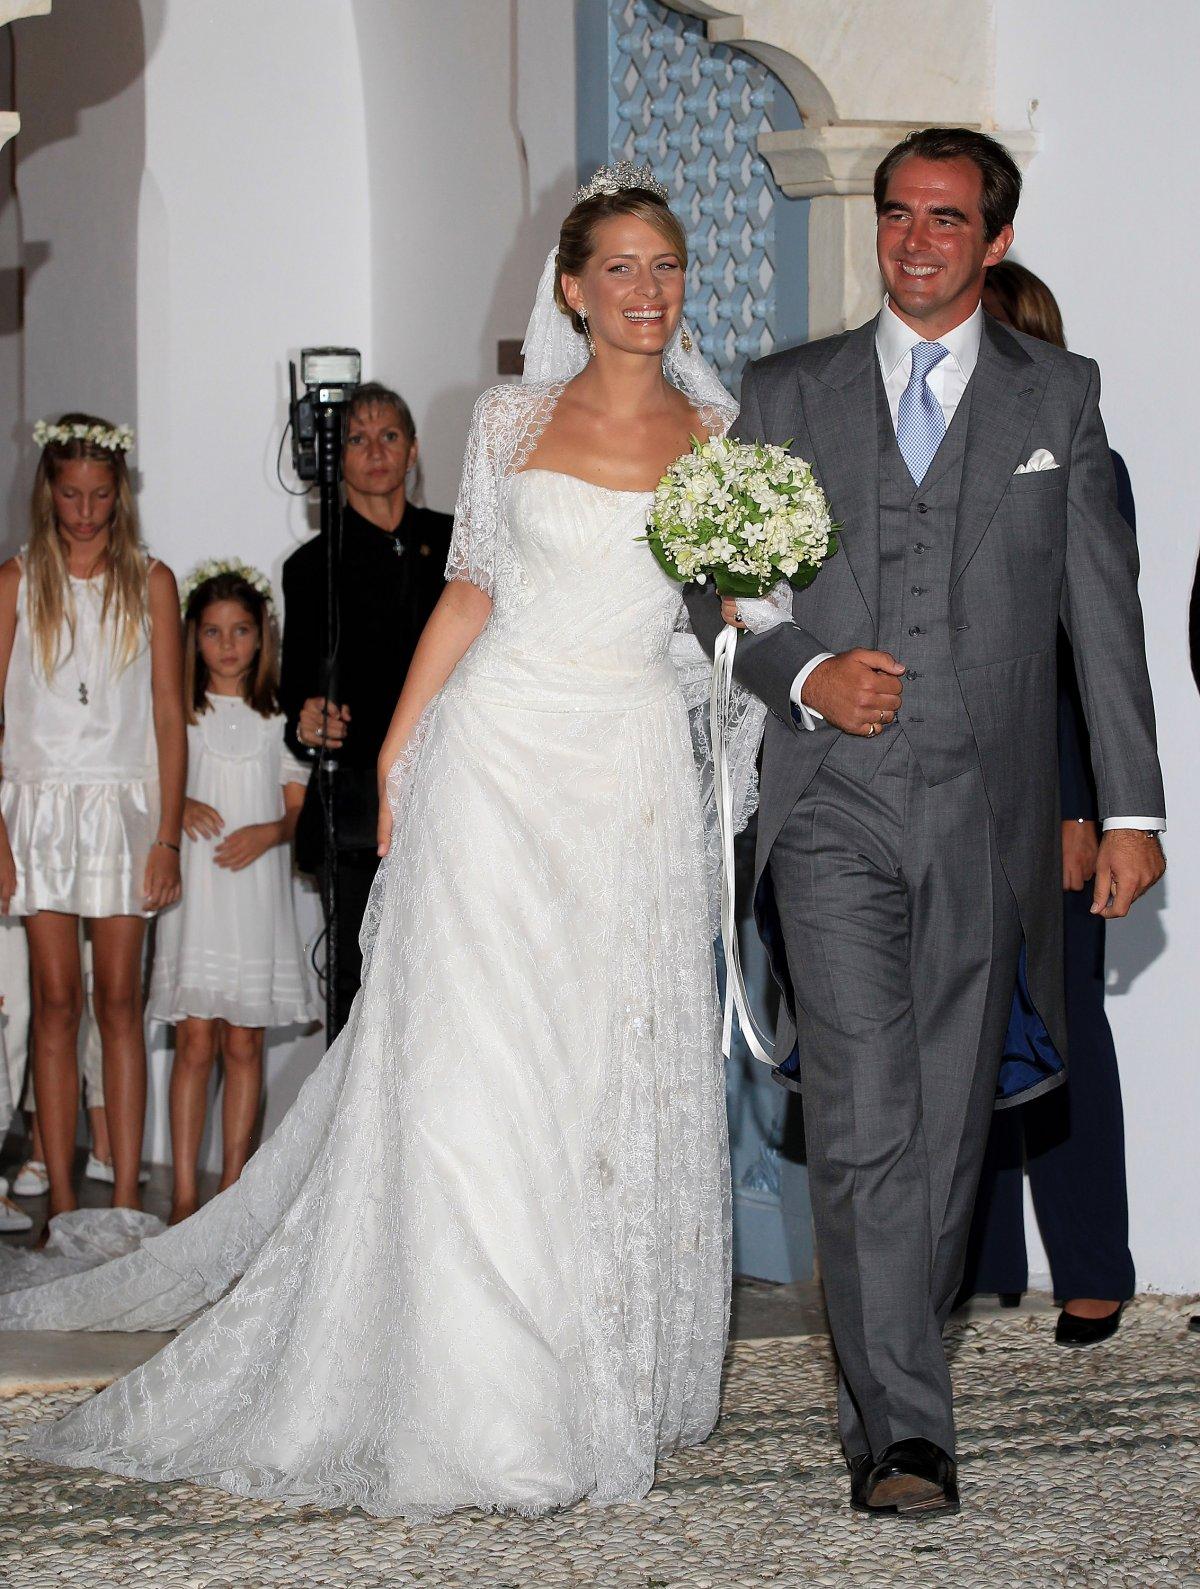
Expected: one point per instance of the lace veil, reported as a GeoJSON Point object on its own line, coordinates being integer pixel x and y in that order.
{"type": "Point", "coordinates": [505, 427]}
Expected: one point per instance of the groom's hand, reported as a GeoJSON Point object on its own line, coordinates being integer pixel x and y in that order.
{"type": "Point", "coordinates": [1128, 864]}
{"type": "Point", "coordinates": [857, 691]}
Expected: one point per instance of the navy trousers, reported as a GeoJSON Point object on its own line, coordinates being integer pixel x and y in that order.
{"type": "Point", "coordinates": [1072, 1143]}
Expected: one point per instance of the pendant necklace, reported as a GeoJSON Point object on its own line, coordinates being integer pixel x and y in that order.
{"type": "Point", "coordinates": [96, 639]}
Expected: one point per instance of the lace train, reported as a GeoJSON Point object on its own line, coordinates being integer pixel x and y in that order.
{"type": "Point", "coordinates": [484, 1260]}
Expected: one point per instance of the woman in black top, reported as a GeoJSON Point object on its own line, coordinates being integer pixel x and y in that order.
{"type": "Point", "coordinates": [393, 555]}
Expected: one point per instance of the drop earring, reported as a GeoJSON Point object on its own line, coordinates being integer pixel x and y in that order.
{"type": "Point", "coordinates": [685, 341]}
{"type": "Point", "coordinates": [587, 331]}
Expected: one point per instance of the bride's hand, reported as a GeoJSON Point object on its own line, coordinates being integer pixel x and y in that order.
{"type": "Point", "coordinates": [729, 612]}
{"type": "Point", "coordinates": [383, 829]}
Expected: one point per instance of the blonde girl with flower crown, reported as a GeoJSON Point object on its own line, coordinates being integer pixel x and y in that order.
{"type": "Point", "coordinates": [228, 959]}
{"type": "Point", "coordinates": [91, 801]}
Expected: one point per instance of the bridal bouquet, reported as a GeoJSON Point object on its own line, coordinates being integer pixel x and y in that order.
{"type": "Point", "coordinates": [746, 514]}
{"type": "Point", "coordinates": [749, 516]}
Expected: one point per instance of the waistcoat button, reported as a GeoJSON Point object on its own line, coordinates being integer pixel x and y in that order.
{"type": "Point", "coordinates": [921, 508]}
{"type": "Point", "coordinates": [916, 630]}
{"type": "Point", "coordinates": [920, 546]}
{"type": "Point", "coordinates": [918, 590]}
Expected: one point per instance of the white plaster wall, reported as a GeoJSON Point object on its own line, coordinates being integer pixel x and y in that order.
{"type": "Point", "coordinates": [471, 110]}
{"type": "Point", "coordinates": [253, 239]}
{"type": "Point", "coordinates": [72, 223]}
{"type": "Point", "coordinates": [193, 186]}
{"type": "Point", "coordinates": [1108, 219]}
{"type": "Point", "coordinates": [205, 188]}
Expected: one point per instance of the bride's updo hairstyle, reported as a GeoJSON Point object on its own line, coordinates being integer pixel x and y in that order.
{"type": "Point", "coordinates": [577, 240]}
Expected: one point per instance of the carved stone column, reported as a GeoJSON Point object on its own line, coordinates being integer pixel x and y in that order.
{"type": "Point", "coordinates": [862, 75]}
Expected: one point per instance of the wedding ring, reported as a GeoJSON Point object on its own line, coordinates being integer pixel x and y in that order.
{"type": "Point", "coordinates": [882, 715]}
{"type": "Point", "coordinates": [870, 730]}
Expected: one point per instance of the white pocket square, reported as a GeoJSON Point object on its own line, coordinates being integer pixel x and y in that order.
{"type": "Point", "coordinates": [1039, 460]}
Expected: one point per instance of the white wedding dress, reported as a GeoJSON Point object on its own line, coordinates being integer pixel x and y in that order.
{"type": "Point", "coordinates": [484, 1260]}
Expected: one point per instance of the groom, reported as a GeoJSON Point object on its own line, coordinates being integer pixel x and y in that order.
{"type": "Point", "coordinates": [909, 810]}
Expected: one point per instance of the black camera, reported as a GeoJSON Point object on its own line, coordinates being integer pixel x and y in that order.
{"type": "Point", "coordinates": [330, 376]}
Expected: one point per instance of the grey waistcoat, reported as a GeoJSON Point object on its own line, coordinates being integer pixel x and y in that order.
{"type": "Point", "coordinates": [916, 544]}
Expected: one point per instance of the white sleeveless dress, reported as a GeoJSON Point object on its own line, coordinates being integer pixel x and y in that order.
{"type": "Point", "coordinates": [230, 948]}
{"type": "Point", "coordinates": [484, 1259]}
{"type": "Point", "coordinates": [80, 787]}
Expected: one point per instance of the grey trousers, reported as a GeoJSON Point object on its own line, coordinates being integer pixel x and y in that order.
{"type": "Point", "coordinates": [902, 939]}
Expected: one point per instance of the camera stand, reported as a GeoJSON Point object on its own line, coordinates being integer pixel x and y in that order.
{"type": "Point", "coordinates": [329, 453]}
{"type": "Point", "coordinates": [330, 376]}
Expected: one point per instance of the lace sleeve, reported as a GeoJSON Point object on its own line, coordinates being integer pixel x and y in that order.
{"type": "Point", "coordinates": [477, 511]}
{"type": "Point", "coordinates": [760, 613]}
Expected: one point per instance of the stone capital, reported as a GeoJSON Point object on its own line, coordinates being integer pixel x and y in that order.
{"type": "Point", "coordinates": [840, 158]}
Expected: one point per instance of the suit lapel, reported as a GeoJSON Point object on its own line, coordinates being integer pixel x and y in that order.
{"type": "Point", "coordinates": [839, 410]}
{"type": "Point", "coordinates": [1006, 393]}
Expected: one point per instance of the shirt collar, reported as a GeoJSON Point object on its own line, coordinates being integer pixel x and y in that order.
{"type": "Point", "coordinates": [355, 520]}
{"type": "Point", "coordinates": [894, 340]}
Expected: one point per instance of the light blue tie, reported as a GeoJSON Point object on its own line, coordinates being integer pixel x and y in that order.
{"type": "Point", "coordinates": [920, 423]}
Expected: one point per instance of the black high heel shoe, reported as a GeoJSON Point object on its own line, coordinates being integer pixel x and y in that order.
{"type": "Point", "coordinates": [1071, 1330]}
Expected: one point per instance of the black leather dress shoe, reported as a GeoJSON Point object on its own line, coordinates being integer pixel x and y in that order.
{"type": "Point", "coordinates": [860, 1472]}
{"type": "Point", "coordinates": [911, 1479]}
{"type": "Point", "coordinates": [1071, 1330]}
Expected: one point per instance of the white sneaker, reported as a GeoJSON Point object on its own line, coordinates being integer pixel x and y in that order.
{"type": "Point", "coordinates": [32, 1179]}
{"type": "Point", "coordinates": [99, 1170]}
{"type": "Point", "coordinates": [12, 1218]}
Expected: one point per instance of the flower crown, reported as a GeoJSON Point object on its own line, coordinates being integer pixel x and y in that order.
{"type": "Point", "coordinates": [115, 438]}
{"type": "Point", "coordinates": [253, 577]}
{"type": "Point", "coordinates": [618, 179]}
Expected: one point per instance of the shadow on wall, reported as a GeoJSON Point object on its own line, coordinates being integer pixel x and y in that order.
{"type": "Point", "coordinates": [505, 172]}
{"type": "Point", "coordinates": [515, 281]}
{"type": "Point", "coordinates": [1132, 945]}
{"type": "Point", "coordinates": [69, 223]}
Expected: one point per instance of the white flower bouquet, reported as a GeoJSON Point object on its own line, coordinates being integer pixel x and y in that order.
{"type": "Point", "coordinates": [750, 517]}
{"type": "Point", "coordinates": [744, 514]}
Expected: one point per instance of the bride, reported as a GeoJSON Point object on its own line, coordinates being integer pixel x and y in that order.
{"type": "Point", "coordinates": [484, 1260]}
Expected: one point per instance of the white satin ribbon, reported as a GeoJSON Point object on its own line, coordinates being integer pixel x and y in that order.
{"type": "Point", "coordinates": [736, 996]}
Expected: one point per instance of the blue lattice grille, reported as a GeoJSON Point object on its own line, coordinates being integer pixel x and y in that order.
{"type": "Point", "coordinates": [694, 112]}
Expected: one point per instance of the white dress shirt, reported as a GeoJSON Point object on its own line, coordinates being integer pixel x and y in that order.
{"type": "Point", "coordinates": [894, 342]}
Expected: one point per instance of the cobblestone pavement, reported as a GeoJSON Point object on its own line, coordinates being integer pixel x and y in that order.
{"type": "Point", "coordinates": [1078, 1468]}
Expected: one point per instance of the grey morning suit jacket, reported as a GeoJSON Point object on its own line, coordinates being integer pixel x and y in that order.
{"type": "Point", "coordinates": [1027, 547]}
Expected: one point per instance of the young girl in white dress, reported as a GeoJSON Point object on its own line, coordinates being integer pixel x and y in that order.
{"type": "Point", "coordinates": [228, 960]}
{"type": "Point", "coordinates": [92, 795]}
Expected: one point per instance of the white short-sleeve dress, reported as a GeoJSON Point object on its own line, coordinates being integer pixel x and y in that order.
{"type": "Point", "coordinates": [231, 947]}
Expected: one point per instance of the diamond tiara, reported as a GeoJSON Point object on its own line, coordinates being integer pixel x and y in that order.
{"type": "Point", "coordinates": [619, 178]}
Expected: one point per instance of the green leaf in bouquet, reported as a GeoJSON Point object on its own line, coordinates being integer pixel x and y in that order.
{"type": "Point", "coordinates": [807, 572]}
{"type": "Point", "coordinates": [804, 576]}
{"type": "Point", "coordinates": [728, 584]}
{"type": "Point", "coordinates": [654, 541]}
